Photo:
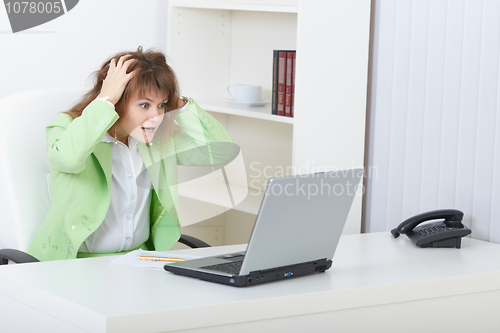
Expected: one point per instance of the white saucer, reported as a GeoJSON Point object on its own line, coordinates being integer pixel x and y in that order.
{"type": "Point", "coordinates": [253, 103]}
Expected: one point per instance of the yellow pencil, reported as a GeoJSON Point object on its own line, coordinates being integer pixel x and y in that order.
{"type": "Point", "coordinates": [148, 258]}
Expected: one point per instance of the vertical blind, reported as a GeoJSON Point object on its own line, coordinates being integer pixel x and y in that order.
{"type": "Point", "coordinates": [434, 122]}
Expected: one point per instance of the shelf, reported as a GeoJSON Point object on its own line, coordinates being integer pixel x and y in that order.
{"type": "Point", "coordinates": [203, 4]}
{"type": "Point", "coordinates": [250, 205]}
{"type": "Point", "coordinates": [256, 112]}
{"type": "Point", "coordinates": [231, 42]}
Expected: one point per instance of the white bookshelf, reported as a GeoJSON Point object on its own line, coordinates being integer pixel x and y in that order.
{"type": "Point", "coordinates": [240, 6]}
{"type": "Point", "coordinates": [256, 112]}
{"type": "Point", "coordinates": [250, 205]}
{"type": "Point", "coordinates": [216, 43]}
{"type": "Point", "coordinates": [211, 45]}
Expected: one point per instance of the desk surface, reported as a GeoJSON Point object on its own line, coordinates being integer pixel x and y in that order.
{"type": "Point", "coordinates": [368, 269]}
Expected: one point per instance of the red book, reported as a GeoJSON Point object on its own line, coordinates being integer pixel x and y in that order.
{"type": "Point", "coordinates": [275, 82]}
{"type": "Point", "coordinates": [293, 84]}
{"type": "Point", "coordinates": [281, 82]}
{"type": "Point", "coordinates": [288, 83]}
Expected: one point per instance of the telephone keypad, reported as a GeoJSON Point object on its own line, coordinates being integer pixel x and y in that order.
{"type": "Point", "coordinates": [431, 230]}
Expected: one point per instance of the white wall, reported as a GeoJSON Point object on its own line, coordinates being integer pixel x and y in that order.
{"type": "Point", "coordinates": [63, 52]}
{"type": "Point", "coordinates": [435, 125]}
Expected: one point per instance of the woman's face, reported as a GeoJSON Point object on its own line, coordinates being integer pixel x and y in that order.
{"type": "Point", "coordinates": [142, 117]}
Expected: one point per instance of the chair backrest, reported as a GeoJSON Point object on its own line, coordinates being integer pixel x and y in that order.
{"type": "Point", "coordinates": [24, 169]}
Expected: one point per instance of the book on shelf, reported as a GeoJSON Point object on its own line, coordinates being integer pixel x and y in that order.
{"type": "Point", "coordinates": [274, 102]}
{"type": "Point", "coordinates": [293, 84]}
{"type": "Point", "coordinates": [283, 82]}
{"type": "Point", "coordinates": [288, 84]}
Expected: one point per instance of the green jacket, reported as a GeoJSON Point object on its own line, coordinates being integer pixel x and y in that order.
{"type": "Point", "coordinates": [80, 175]}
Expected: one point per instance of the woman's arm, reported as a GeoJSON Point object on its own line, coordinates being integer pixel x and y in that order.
{"type": "Point", "coordinates": [70, 142]}
{"type": "Point", "coordinates": [201, 139]}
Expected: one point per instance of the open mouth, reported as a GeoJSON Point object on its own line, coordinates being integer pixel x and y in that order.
{"type": "Point", "coordinates": [148, 129]}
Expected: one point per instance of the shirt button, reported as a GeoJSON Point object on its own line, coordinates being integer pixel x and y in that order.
{"type": "Point", "coordinates": [210, 126]}
{"type": "Point", "coordinates": [69, 241]}
{"type": "Point", "coordinates": [129, 175]}
{"type": "Point", "coordinates": [84, 217]}
{"type": "Point", "coordinates": [133, 197]}
{"type": "Point", "coordinates": [129, 217]}
{"type": "Point", "coordinates": [73, 228]}
{"type": "Point", "coordinates": [200, 114]}
{"type": "Point", "coordinates": [54, 247]}
{"type": "Point", "coordinates": [98, 129]}
{"type": "Point", "coordinates": [106, 118]}
{"type": "Point", "coordinates": [206, 120]}
{"type": "Point", "coordinates": [102, 123]}
{"type": "Point", "coordinates": [129, 238]}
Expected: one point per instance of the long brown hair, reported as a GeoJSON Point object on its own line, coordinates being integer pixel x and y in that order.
{"type": "Point", "coordinates": [153, 75]}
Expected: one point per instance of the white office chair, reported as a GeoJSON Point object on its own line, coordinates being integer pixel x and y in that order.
{"type": "Point", "coordinates": [24, 169]}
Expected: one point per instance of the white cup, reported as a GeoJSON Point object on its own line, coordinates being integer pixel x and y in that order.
{"type": "Point", "coordinates": [245, 92]}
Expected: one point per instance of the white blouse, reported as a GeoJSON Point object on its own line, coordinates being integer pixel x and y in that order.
{"type": "Point", "coordinates": [126, 225]}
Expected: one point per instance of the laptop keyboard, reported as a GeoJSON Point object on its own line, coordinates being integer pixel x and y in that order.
{"type": "Point", "coordinates": [230, 267]}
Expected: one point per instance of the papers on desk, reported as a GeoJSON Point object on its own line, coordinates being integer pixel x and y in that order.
{"type": "Point", "coordinates": [133, 258]}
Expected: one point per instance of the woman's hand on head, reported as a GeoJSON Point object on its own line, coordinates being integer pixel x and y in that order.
{"type": "Point", "coordinates": [175, 103]}
{"type": "Point", "coordinates": [116, 79]}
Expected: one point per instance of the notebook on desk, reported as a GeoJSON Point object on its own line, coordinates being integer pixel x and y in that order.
{"type": "Point", "coordinates": [296, 232]}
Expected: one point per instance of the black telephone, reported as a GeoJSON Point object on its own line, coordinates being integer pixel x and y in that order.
{"type": "Point", "coordinates": [447, 233]}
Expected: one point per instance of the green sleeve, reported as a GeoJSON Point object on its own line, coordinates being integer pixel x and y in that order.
{"type": "Point", "coordinates": [70, 142]}
{"type": "Point", "coordinates": [201, 139]}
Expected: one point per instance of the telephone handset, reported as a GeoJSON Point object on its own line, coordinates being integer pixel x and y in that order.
{"type": "Point", "coordinates": [446, 233]}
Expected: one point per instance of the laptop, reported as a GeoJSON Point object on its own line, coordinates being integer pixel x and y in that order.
{"type": "Point", "coordinates": [296, 232]}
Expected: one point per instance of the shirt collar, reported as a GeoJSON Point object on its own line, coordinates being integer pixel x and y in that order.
{"type": "Point", "coordinates": [108, 138]}
{"type": "Point", "coordinates": [132, 143]}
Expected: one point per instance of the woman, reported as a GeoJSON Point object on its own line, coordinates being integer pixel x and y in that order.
{"type": "Point", "coordinates": [113, 161]}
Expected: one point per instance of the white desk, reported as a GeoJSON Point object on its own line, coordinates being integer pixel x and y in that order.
{"type": "Point", "coordinates": [376, 284]}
